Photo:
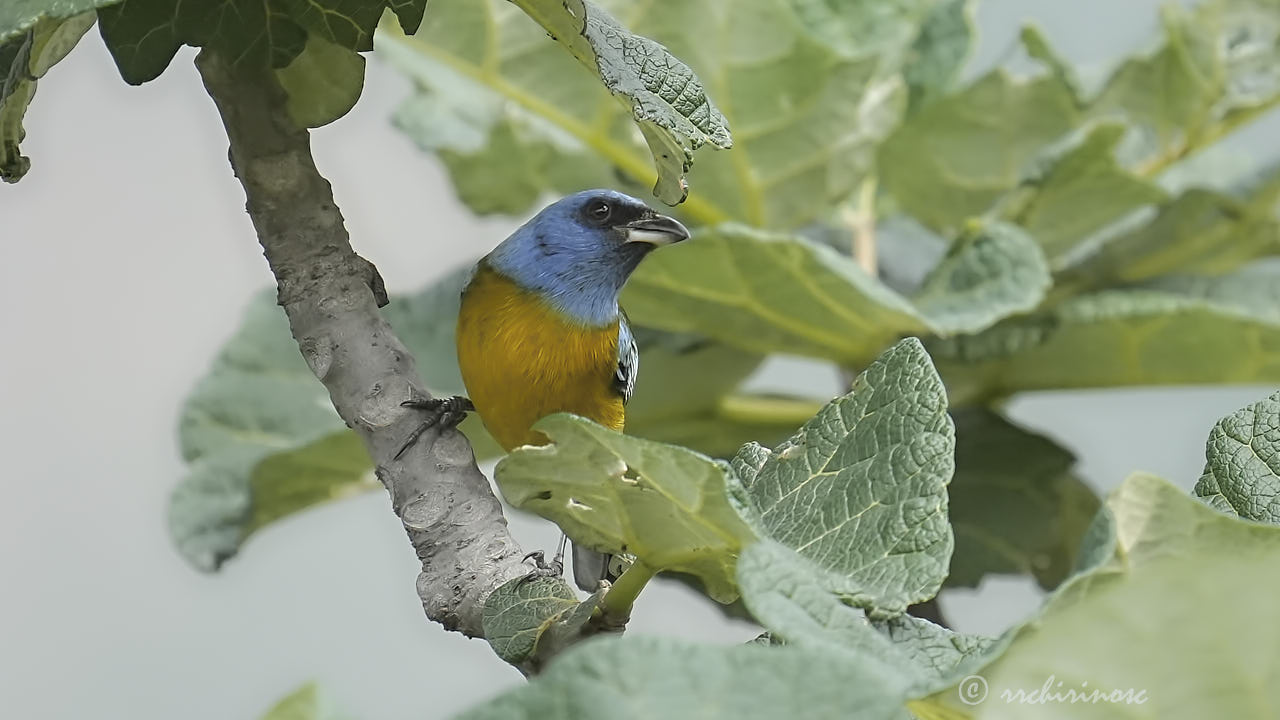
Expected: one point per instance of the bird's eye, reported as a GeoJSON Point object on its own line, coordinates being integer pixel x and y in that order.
{"type": "Point", "coordinates": [599, 211]}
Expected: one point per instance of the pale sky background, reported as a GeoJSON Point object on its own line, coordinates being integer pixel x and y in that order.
{"type": "Point", "coordinates": [129, 261]}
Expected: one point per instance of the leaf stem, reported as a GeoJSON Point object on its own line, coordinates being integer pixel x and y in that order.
{"type": "Point", "coordinates": [862, 221]}
{"type": "Point", "coordinates": [748, 408]}
{"type": "Point", "coordinates": [615, 606]}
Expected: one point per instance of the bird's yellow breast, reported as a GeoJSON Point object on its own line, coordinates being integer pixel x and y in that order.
{"type": "Point", "coordinates": [522, 360]}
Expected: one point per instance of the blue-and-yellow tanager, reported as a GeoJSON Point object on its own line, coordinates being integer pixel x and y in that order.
{"type": "Point", "coordinates": [540, 330]}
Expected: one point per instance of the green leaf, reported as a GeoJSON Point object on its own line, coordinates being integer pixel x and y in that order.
{"type": "Point", "coordinates": [1254, 288]}
{"type": "Point", "coordinates": [1200, 231]}
{"type": "Point", "coordinates": [939, 52]}
{"type": "Point", "coordinates": [860, 490]}
{"type": "Point", "coordinates": [1016, 507]}
{"type": "Point", "coordinates": [666, 99]}
{"type": "Point", "coordinates": [322, 83]}
{"type": "Point", "coordinates": [259, 398]}
{"type": "Point", "coordinates": [1167, 95]}
{"type": "Point", "coordinates": [807, 104]}
{"type": "Point", "coordinates": [284, 482]}
{"type": "Point", "coordinates": [954, 158]}
{"type": "Point", "coordinates": [144, 35]}
{"type": "Point", "coordinates": [17, 17]}
{"type": "Point", "coordinates": [991, 272]}
{"type": "Point", "coordinates": [651, 677]}
{"type": "Point", "coordinates": [1242, 463]}
{"type": "Point", "coordinates": [519, 613]}
{"type": "Point", "coordinates": [666, 505]}
{"type": "Point", "coordinates": [1214, 72]}
{"type": "Point", "coordinates": [769, 293]}
{"type": "Point", "coordinates": [1120, 337]}
{"type": "Point", "coordinates": [1079, 192]}
{"type": "Point", "coordinates": [32, 40]}
{"type": "Point", "coordinates": [788, 595]}
{"type": "Point", "coordinates": [305, 703]}
{"type": "Point", "coordinates": [1113, 628]}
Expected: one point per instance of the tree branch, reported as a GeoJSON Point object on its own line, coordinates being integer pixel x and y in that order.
{"type": "Point", "coordinates": [331, 296]}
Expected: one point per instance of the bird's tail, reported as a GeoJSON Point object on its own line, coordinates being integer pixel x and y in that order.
{"type": "Point", "coordinates": [590, 567]}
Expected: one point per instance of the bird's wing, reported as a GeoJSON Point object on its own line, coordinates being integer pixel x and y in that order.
{"type": "Point", "coordinates": [624, 378]}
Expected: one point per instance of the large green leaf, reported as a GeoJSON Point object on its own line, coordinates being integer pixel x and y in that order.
{"type": "Point", "coordinates": [1182, 612]}
{"type": "Point", "coordinates": [769, 293]}
{"type": "Point", "coordinates": [860, 490]}
{"type": "Point", "coordinates": [992, 271]}
{"type": "Point", "coordinates": [666, 505]}
{"type": "Point", "coordinates": [1242, 463]}
{"type": "Point", "coordinates": [33, 37]}
{"type": "Point", "coordinates": [1214, 71]}
{"type": "Point", "coordinates": [1079, 191]}
{"type": "Point", "coordinates": [1122, 337]}
{"type": "Point", "coordinates": [957, 156]}
{"type": "Point", "coordinates": [259, 398]}
{"type": "Point", "coordinates": [650, 677]}
{"type": "Point", "coordinates": [1200, 231]}
{"type": "Point", "coordinates": [808, 88]}
{"type": "Point", "coordinates": [144, 35]}
{"type": "Point", "coordinates": [1015, 505]}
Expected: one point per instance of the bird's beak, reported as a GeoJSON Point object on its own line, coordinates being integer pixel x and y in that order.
{"type": "Point", "coordinates": [657, 230]}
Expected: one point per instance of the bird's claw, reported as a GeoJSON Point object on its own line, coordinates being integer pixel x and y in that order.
{"type": "Point", "coordinates": [542, 568]}
{"type": "Point", "coordinates": [443, 413]}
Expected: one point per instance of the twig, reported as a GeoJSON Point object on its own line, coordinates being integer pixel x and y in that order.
{"type": "Point", "coordinates": [862, 222]}
{"type": "Point", "coordinates": [331, 296]}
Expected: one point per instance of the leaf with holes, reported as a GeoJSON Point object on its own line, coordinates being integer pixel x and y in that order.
{"type": "Point", "coordinates": [667, 506]}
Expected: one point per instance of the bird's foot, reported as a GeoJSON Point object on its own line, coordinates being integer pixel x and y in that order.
{"type": "Point", "coordinates": [442, 413]}
{"type": "Point", "coordinates": [542, 568]}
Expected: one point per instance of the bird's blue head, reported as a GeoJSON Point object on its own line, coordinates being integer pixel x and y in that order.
{"type": "Point", "coordinates": [579, 251]}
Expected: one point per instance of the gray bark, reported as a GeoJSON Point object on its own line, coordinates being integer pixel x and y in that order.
{"type": "Point", "coordinates": [332, 296]}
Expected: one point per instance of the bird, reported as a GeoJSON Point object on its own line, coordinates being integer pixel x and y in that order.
{"type": "Point", "coordinates": [540, 331]}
